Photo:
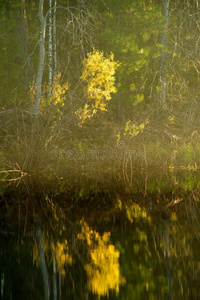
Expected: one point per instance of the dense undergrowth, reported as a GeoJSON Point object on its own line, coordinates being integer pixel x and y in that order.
{"type": "Point", "coordinates": [101, 154]}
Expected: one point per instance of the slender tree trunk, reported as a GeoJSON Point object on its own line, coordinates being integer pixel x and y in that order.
{"type": "Point", "coordinates": [78, 23]}
{"type": "Point", "coordinates": [50, 46]}
{"type": "Point", "coordinates": [54, 40]}
{"type": "Point", "coordinates": [41, 59]}
{"type": "Point", "coordinates": [163, 66]}
{"type": "Point", "coordinates": [24, 43]}
{"type": "Point", "coordinates": [119, 31]}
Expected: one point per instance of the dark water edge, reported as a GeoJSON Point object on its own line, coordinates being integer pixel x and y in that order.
{"type": "Point", "coordinates": [84, 242]}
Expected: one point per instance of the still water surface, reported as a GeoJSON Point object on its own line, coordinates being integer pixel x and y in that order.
{"type": "Point", "coordinates": [123, 253]}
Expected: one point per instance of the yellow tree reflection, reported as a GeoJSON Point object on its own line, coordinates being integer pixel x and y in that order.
{"type": "Point", "coordinates": [59, 251]}
{"type": "Point", "coordinates": [62, 255]}
{"type": "Point", "coordinates": [102, 268]}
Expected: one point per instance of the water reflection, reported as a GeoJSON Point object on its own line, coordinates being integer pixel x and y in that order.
{"type": "Point", "coordinates": [102, 267]}
{"type": "Point", "coordinates": [143, 254]}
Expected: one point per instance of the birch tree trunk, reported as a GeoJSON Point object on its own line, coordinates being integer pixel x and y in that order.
{"type": "Point", "coordinates": [41, 59]}
{"type": "Point", "coordinates": [163, 66]}
{"type": "Point", "coordinates": [78, 22]}
{"type": "Point", "coordinates": [24, 42]}
{"type": "Point", "coordinates": [50, 47]}
{"type": "Point", "coordinates": [54, 40]}
{"type": "Point", "coordinates": [119, 29]}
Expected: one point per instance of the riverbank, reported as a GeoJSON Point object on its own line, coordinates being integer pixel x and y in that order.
{"type": "Point", "coordinates": [99, 156]}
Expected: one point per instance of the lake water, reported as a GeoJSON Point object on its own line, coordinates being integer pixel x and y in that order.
{"type": "Point", "coordinates": [121, 253]}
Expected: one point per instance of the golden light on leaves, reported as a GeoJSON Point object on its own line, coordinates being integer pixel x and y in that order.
{"type": "Point", "coordinates": [132, 129]}
{"type": "Point", "coordinates": [103, 267]}
{"type": "Point", "coordinates": [171, 119]}
{"type": "Point", "coordinates": [99, 78]}
{"type": "Point", "coordinates": [60, 251]}
{"type": "Point", "coordinates": [56, 100]}
{"type": "Point", "coordinates": [134, 211]}
{"type": "Point", "coordinates": [62, 255]}
{"type": "Point", "coordinates": [58, 92]}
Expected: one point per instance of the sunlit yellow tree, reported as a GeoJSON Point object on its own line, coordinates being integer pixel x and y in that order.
{"type": "Point", "coordinates": [54, 104]}
{"type": "Point", "coordinates": [99, 78]}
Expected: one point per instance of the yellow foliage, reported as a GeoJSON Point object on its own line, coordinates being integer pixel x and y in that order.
{"type": "Point", "coordinates": [171, 119]}
{"type": "Point", "coordinates": [173, 216]}
{"type": "Point", "coordinates": [60, 250]}
{"type": "Point", "coordinates": [58, 92]}
{"type": "Point", "coordinates": [134, 211]}
{"type": "Point", "coordinates": [103, 268]}
{"type": "Point", "coordinates": [99, 78]}
{"type": "Point", "coordinates": [133, 129]}
{"type": "Point", "coordinates": [32, 92]}
{"type": "Point", "coordinates": [62, 256]}
{"type": "Point", "coordinates": [57, 98]}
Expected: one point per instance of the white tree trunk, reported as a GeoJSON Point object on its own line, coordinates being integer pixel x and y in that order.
{"type": "Point", "coordinates": [54, 40]}
{"type": "Point", "coordinates": [50, 46]}
{"type": "Point", "coordinates": [78, 24]}
{"type": "Point", "coordinates": [41, 59]}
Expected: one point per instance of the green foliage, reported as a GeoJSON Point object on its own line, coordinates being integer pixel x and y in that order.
{"type": "Point", "coordinates": [131, 31]}
{"type": "Point", "coordinates": [186, 154]}
{"type": "Point", "coordinates": [16, 63]}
